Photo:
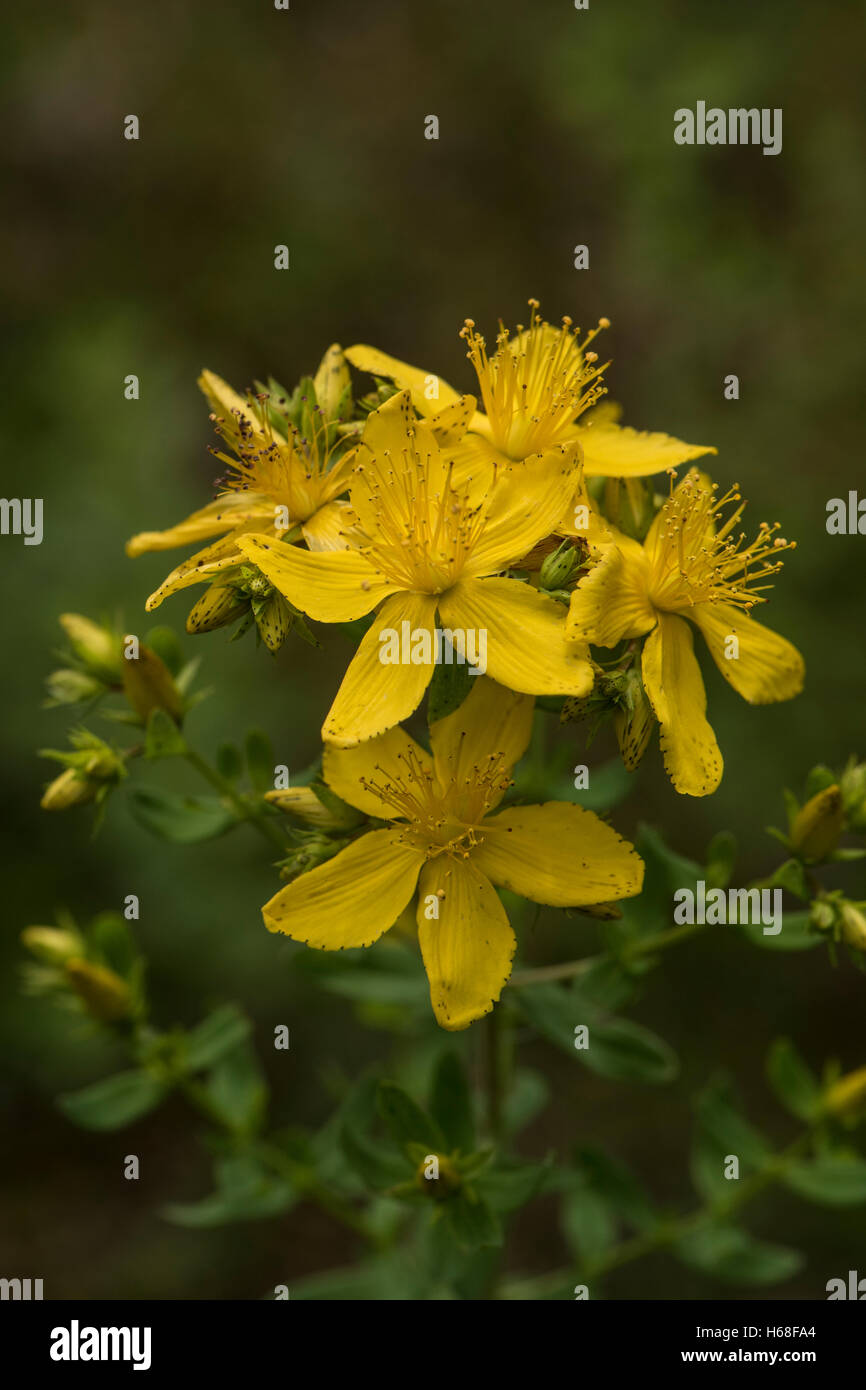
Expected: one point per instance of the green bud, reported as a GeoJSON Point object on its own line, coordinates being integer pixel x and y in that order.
{"type": "Point", "coordinates": [558, 567]}
{"type": "Point", "coordinates": [97, 648]}
{"type": "Point", "coordinates": [53, 945]}
{"type": "Point", "coordinates": [853, 925]}
{"type": "Point", "coordinates": [437, 1176]}
{"type": "Point", "coordinates": [71, 687]}
{"type": "Point", "coordinates": [148, 685]}
{"type": "Point", "coordinates": [818, 825]}
{"type": "Point", "coordinates": [853, 784]}
{"type": "Point", "coordinates": [104, 995]}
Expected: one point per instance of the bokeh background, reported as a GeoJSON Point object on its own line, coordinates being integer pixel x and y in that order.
{"type": "Point", "coordinates": [305, 127]}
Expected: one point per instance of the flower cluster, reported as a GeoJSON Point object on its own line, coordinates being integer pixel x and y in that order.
{"type": "Point", "coordinates": [521, 511]}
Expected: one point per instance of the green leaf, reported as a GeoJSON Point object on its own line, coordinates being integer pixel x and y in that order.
{"type": "Point", "coordinates": [819, 779]}
{"type": "Point", "coordinates": [792, 876]}
{"type": "Point", "coordinates": [114, 1102]}
{"type": "Point", "coordinates": [182, 819]}
{"type": "Point", "coordinates": [792, 1080]}
{"type": "Point", "coordinates": [237, 1089]}
{"type": "Point", "coordinates": [588, 1223]}
{"type": "Point", "coordinates": [529, 1095]}
{"type": "Point", "coordinates": [614, 1183]}
{"type": "Point", "coordinates": [625, 1051]}
{"type": "Point", "coordinates": [664, 873]}
{"type": "Point", "coordinates": [110, 939]}
{"type": "Point", "coordinates": [720, 1119]}
{"type": "Point", "coordinates": [378, 1167]}
{"type": "Point", "coordinates": [831, 1181]}
{"type": "Point", "coordinates": [618, 1048]}
{"type": "Point", "coordinates": [407, 1121]}
{"type": "Point", "coordinates": [796, 934]}
{"type": "Point", "coordinates": [508, 1187]}
{"type": "Point", "coordinates": [451, 1103]}
{"type": "Point", "coordinates": [245, 1191]}
{"type": "Point", "coordinates": [216, 1035]}
{"type": "Point", "coordinates": [229, 763]}
{"type": "Point", "coordinates": [260, 760]}
{"type": "Point", "coordinates": [449, 687]}
{"type": "Point", "coordinates": [471, 1220]}
{"type": "Point", "coordinates": [167, 645]}
{"type": "Point", "coordinates": [721, 855]}
{"type": "Point", "coordinates": [605, 985]}
{"type": "Point", "coordinates": [735, 1257]}
{"type": "Point", "coordinates": [163, 738]}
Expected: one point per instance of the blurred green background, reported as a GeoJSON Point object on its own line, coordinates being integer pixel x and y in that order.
{"type": "Point", "coordinates": [305, 127]}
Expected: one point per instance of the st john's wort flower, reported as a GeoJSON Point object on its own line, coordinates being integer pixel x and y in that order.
{"type": "Point", "coordinates": [691, 565]}
{"type": "Point", "coordinates": [423, 544]}
{"type": "Point", "coordinates": [446, 846]}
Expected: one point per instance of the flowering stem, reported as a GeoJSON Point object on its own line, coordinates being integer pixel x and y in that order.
{"type": "Point", "coordinates": [241, 804]}
{"type": "Point", "coordinates": [643, 946]}
{"type": "Point", "coordinates": [665, 1234]}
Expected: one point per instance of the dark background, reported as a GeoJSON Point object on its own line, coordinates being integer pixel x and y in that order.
{"type": "Point", "coordinates": [261, 127]}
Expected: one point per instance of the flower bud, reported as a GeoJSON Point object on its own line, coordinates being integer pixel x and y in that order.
{"type": "Point", "coordinates": [148, 685]}
{"type": "Point", "coordinates": [53, 945]}
{"type": "Point", "coordinates": [853, 784]}
{"type": "Point", "coordinates": [846, 1098]}
{"type": "Point", "coordinates": [446, 1181]}
{"type": "Point", "coordinates": [105, 995]}
{"type": "Point", "coordinates": [633, 720]}
{"type": "Point", "coordinates": [71, 687]}
{"type": "Point", "coordinates": [71, 788]}
{"type": "Point", "coordinates": [97, 648]}
{"type": "Point", "coordinates": [818, 825]}
{"type": "Point", "coordinates": [325, 813]}
{"type": "Point", "coordinates": [853, 925]}
{"type": "Point", "coordinates": [331, 381]}
{"type": "Point", "coordinates": [218, 606]}
{"type": "Point", "coordinates": [558, 567]}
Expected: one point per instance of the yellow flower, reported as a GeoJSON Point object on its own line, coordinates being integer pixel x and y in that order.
{"type": "Point", "coordinates": [426, 544]}
{"type": "Point", "coordinates": [536, 389]}
{"type": "Point", "coordinates": [277, 481]}
{"type": "Point", "coordinates": [691, 566]}
{"type": "Point", "coordinates": [446, 847]}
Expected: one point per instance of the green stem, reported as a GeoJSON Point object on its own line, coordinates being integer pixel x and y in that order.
{"type": "Point", "coordinates": [245, 809]}
{"type": "Point", "coordinates": [643, 946]}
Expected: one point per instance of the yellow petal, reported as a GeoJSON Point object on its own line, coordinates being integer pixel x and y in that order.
{"type": "Point", "coordinates": [492, 724]}
{"type": "Point", "coordinates": [379, 760]}
{"type": "Point", "coordinates": [451, 423]}
{"type": "Point", "coordinates": [398, 455]}
{"type": "Point", "coordinates": [767, 668]}
{"type": "Point", "coordinates": [332, 586]}
{"type": "Point", "coordinates": [673, 682]}
{"type": "Point", "coordinates": [617, 451]}
{"type": "Point", "coordinates": [227, 404]}
{"type": "Point", "coordinates": [468, 950]}
{"type": "Point", "coordinates": [351, 899]}
{"type": "Point", "coordinates": [206, 564]}
{"type": "Point", "coordinates": [217, 517]}
{"type": "Point", "coordinates": [326, 529]}
{"type": "Point", "coordinates": [526, 505]}
{"type": "Point", "coordinates": [376, 695]}
{"type": "Point", "coordinates": [525, 635]}
{"type": "Point", "coordinates": [414, 379]}
{"type": "Point", "coordinates": [558, 854]}
{"type": "Point", "coordinates": [611, 602]}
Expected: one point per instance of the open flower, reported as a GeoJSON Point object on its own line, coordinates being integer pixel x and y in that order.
{"type": "Point", "coordinates": [277, 481]}
{"type": "Point", "coordinates": [426, 544]}
{"type": "Point", "coordinates": [691, 565]}
{"type": "Point", "coordinates": [538, 389]}
{"type": "Point", "coordinates": [445, 849]}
